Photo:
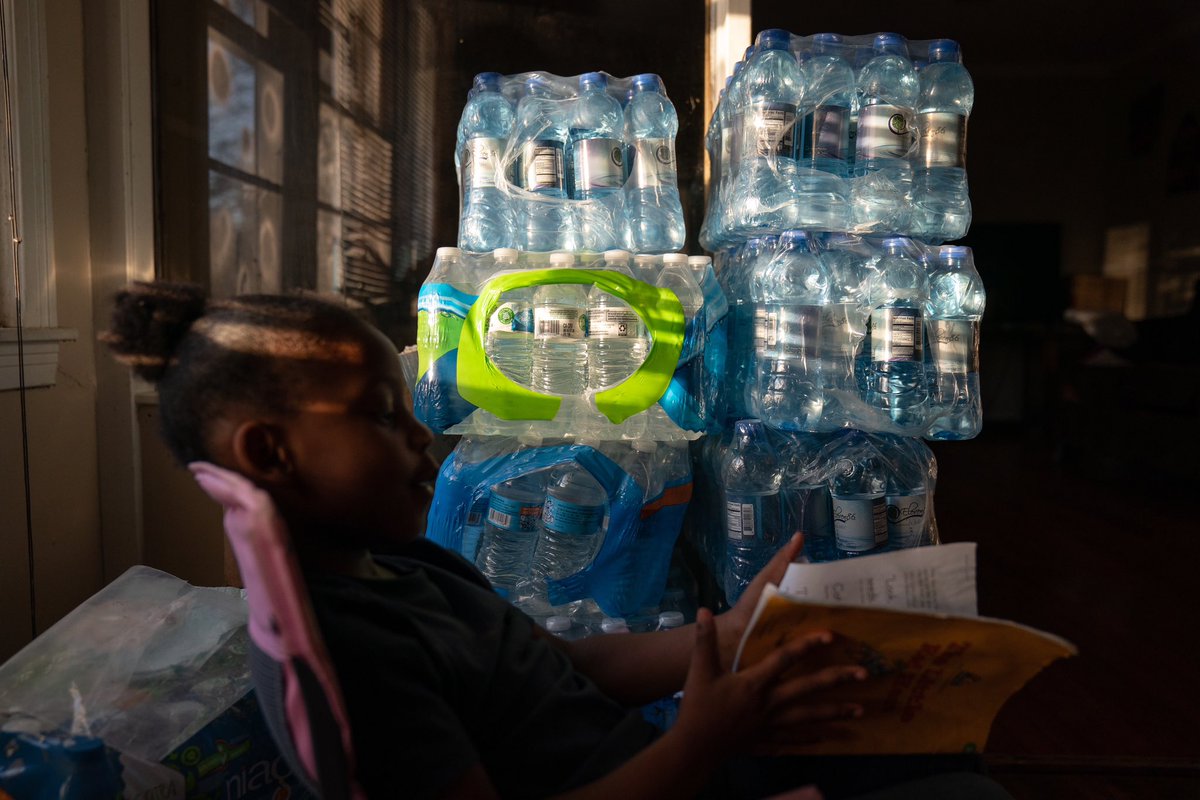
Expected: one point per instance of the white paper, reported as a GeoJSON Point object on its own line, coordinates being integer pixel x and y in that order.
{"type": "Point", "coordinates": [940, 579]}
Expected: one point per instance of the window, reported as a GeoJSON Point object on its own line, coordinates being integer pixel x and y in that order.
{"type": "Point", "coordinates": [25, 24]}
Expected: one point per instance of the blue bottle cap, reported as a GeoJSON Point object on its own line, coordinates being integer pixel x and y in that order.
{"type": "Point", "coordinates": [827, 38]}
{"type": "Point", "coordinates": [774, 39]}
{"type": "Point", "coordinates": [793, 240]}
{"type": "Point", "coordinates": [943, 50]}
{"type": "Point", "coordinates": [589, 80]}
{"type": "Point", "coordinates": [953, 252]}
{"type": "Point", "coordinates": [487, 82]}
{"type": "Point", "coordinates": [647, 82]}
{"type": "Point", "coordinates": [889, 43]}
{"type": "Point", "coordinates": [894, 244]}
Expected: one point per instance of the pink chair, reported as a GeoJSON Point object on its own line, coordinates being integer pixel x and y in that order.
{"type": "Point", "coordinates": [289, 665]}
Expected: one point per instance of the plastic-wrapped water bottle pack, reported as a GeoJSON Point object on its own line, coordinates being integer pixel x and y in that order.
{"type": "Point", "coordinates": [583, 163]}
{"type": "Point", "coordinates": [567, 527]}
{"type": "Point", "coordinates": [865, 134]}
{"type": "Point", "coordinates": [852, 493]}
{"type": "Point", "coordinates": [832, 330]}
{"type": "Point", "coordinates": [607, 346]}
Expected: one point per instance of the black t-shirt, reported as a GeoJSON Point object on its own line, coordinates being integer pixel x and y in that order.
{"type": "Point", "coordinates": [440, 673]}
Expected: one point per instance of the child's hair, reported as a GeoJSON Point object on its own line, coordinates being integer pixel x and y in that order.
{"type": "Point", "coordinates": [254, 351]}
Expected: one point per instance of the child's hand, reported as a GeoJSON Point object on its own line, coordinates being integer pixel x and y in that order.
{"type": "Point", "coordinates": [732, 624]}
{"type": "Point", "coordinates": [724, 712]}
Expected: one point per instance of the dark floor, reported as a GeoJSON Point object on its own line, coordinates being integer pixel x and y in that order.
{"type": "Point", "coordinates": [1105, 559]}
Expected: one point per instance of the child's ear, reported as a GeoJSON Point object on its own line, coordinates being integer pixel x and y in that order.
{"type": "Point", "coordinates": [261, 453]}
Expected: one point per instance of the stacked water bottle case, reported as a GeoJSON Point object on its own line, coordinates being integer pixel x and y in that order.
{"type": "Point", "coordinates": [839, 169]}
{"type": "Point", "coordinates": [549, 163]}
{"type": "Point", "coordinates": [576, 371]}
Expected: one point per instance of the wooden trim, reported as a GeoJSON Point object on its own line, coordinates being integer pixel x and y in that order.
{"type": "Point", "coordinates": [727, 36]}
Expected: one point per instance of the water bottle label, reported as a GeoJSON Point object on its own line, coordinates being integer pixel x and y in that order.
{"type": "Point", "coordinates": [837, 330]}
{"type": "Point", "coordinates": [883, 132]}
{"type": "Point", "coordinates": [772, 130]}
{"type": "Point", "coordinates": [954, 344]}
{"type": "Point", "coordinates": [509, 317]}
{"type": "Point", "coordinates": [797, 330]}
{"type": "Point", "coordinates": [564, 321]}
{"type": "Point", "coordinates": [619, 323]}
{"type": "Point", "coordinates": [765, 324]}
{"type": "Point", "coordinates": [743, 517]}
{"type": "Point", "coordinates": [943, 139]}
{"type": "Point", "coordinates": [896, 334]}
{"type": "Point", "coordinates": [542, 165]}
{"type": "Point", "coordinates": [859, 523]}
{"type": "Point", "coordinates": [654, 163]}
{"type": "Point", "coordinates": [824, 133]}
{"type": "Point", "coordinates": [562, 516]}
{"type": "Point", "coordinates": [906, 520]}
{"type": "Point", "coordinates": [598, 164]}
{"type": "Point", "coordinates": [513, 515]}
{"type": "Point", "coordinates": [480, 160]}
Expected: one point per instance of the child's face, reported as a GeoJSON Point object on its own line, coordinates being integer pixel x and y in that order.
{"type": "Point", "coordinates": [361, 471]}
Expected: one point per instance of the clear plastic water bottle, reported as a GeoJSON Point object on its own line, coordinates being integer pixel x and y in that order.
{"type": "Point", "coordinates": [881, 190]}
{"type": "Point", "coordinates": [843, 325]}
{"type": "Point", "coordinates": [941, 203]}
{"type": "Point", "coordinates": [539, 138]}
{"type": "Point", "coordinates": [897, 291]}
{"type": "Point", "coordinates": [789, 296]}
{"type": "Point", "coordinates": [571, 525]}
{"type": "Point", "coordinates": [823, 136]}
{"type": "Point", "coordinates": [677, 276]}
{"type": "Point", "coordinates": [653, 213]}
{"type": "Point", "coordinates": [765, 189]}
{"type": "Point", "coordinates": [858, 489]}
{"type": "Point", "coordinates": [559, 330]}
{"type": "Point", "coordinates": [909, 489]}
{"type": "Point", "coordinates": [487, 121]}
{"type": "Point", "coordinates": [751, 477]}
{"type": "Point", "coordinates": [510, 329]}
{"type": "Point", "coordinates": [616, 336]}
{"type": "Point", "coordinates": [954, 310]}
{"type": "Point", "coordinates": [597, 164]}
{"type": "Point", "coordinates": [508, 531]}
{"type": "Point", "coordinates": [807, 493]}
{"type": "Point", "coordinates": [646, 267]}
{"type": "Point", "coordinates": [711, 238]}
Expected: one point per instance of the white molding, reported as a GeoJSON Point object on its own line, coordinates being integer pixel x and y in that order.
{"type": "Point", "coordinates": [121, 212]}
{"type": "Point", "coordinates": [40, 357]}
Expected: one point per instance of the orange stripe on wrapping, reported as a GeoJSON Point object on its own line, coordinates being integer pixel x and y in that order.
{"type": "Point", "coordinates": [675, 496]}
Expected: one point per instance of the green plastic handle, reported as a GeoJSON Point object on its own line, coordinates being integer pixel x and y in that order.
{"type": "Point", "coordinates": [480, 382]}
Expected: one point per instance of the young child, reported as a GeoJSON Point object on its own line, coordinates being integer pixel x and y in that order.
{"type": "Point", "coordinates": [451, 692]}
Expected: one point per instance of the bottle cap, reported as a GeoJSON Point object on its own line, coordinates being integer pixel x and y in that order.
{"type": "Point", "coordinates": [448, 252]}
{"type": "Point", "coordinates": [646, 260]}
{"type": "Point", "coordinates": [889, 43]}
{"type": "Point", "coordinates": [774, 39]}
{"type": "Point", "coordinates": [561, 259]}
{"type": "Point", "coordinates": [487, 82]}
{"type": "Point", "coordinates": [530, 439]}
{"type": "Point", "coordinates": [943, 50]}
{"type": "Point", "coordinates": [614, 625]}
{"type": "Point", "coordinates": [506, 255]}
{"type": "Point", "coordinates": [621, 256]}
{"type": "Point", "coordinates": [894, 244]}
{"type": "Point", "coordinates": [953, 252]}
{"type": "Point", "coordinates": [674, 259]}
{"type": "Point", "coordinates": [647, 82]}
{"type": "Point", "coordinates": [558, 624]}
{"type": "Point", "coordinates": [793, 240]}
{"type": "Point", "coordinates": [589, 80]}
{"type": "Point", "coordinates": [670, 619]}
{"type": "Point", "coordinates": [699, 263]}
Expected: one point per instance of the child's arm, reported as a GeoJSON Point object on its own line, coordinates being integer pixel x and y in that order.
{"type": "Point", "coordinates": [722, 714]}
{"type": "Point", "coordinates": [639, 668]}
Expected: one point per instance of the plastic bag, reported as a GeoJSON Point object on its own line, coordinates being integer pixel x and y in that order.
{"type": "Point", "coordinates": [143, 664]}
